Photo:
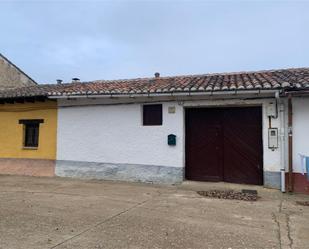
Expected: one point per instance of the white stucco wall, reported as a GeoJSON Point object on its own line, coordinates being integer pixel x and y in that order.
{"type": "Point", "coordinates": [300, 130]}
{"type": "Point", "coordinates": [115, 134]}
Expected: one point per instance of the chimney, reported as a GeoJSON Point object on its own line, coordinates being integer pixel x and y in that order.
{"type": "Point", "coordinates": [157, 75]}
{"type": "Point", "coordinates": [75, 80]}
{"type": "Point", "coordinates": [59, 81]}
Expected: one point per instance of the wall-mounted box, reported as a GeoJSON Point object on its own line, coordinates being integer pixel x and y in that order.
{"type": "Point", "coordinates": [171, 139]}
{"type": "Point", "coordinates": [272, 110]}
{"type": "Point", "coordinates": [273, 138]}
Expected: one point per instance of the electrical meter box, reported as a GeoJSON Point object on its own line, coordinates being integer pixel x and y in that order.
{"type": "Point", "coordinates": [273, 138]}
{"type": "Point", "coordinates": [271, 109]}
{"type": "Point", "coordinates": [171, 139]}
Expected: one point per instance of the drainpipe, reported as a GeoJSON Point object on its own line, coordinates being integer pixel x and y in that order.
{"type": "Point", "coordinates": [282, 141]}
{"type": "Point", "coordinates": [290, 143]}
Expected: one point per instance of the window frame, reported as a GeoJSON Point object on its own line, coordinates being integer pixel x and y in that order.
{"type": "Point", "coordinates": [148, 122]}
{"type": "Point", "coordinates": [36, 125]}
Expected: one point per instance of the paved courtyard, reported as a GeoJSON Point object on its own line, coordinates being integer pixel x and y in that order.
{"type": "Point", "coordinates": [65, 213]}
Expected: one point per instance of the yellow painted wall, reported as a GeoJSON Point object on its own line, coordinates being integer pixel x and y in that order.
{"type": "Point", "coordinates": [11, 132]}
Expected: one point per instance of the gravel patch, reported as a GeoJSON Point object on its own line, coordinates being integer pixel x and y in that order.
{"type": "Point", "coordinates": [229, 194]}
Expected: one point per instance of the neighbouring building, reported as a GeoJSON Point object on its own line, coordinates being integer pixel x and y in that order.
{"type": "Point", "coordinates": [11, 76]}
{"type": "Point", "coordinates": [27, 126]}
{"type": "Point", "coordinates": [28, 137]}
{"type": "Point", "coordinates": [247, 127]}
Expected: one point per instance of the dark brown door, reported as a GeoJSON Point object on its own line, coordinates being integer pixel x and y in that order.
{"type": "Point", "coordinates": [204, 135]}
{"type": "Point", "coordinates": [224, 144]}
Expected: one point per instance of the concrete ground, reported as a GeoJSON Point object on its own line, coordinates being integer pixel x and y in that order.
{"type": "Point", "coordinates": [65, 213]}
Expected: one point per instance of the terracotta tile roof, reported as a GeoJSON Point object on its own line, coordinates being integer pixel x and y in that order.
{"type": "Point", "coordinates": [30, 91]}
{"type": "Point", "coordinates": [295, 78]}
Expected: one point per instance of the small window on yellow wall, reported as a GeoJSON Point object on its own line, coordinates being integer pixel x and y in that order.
{"type": "Point", "coordinates": [31, 132]}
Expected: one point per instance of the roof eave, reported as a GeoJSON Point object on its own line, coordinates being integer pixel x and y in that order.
{"type": "Point", "coordinates": [187, 93]}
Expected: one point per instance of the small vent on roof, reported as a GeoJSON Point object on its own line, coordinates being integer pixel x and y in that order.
{"type": "Point", "coordinates": [157, 75]}
{"type": "Point", "coordinates": [59, 81]}
{"type": "Point", "coordinates": [75, 80]}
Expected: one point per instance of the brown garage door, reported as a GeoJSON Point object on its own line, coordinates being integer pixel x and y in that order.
{"type": "Point", "coordinates": [224, 144]}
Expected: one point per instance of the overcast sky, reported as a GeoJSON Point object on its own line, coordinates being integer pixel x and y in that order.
{"type": "Point", "coordinates": [128, 39]}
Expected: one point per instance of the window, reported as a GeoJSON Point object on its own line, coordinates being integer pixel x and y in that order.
{"type": "Point", "coordinates": [31, 132]}
{"type": "Point", "coordinates": [152, 114]}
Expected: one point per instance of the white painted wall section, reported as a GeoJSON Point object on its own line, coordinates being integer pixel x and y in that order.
{"type": "Point", "coordinates": [300, 130]}
{"type": "Point", "coordinates": [115, 134]}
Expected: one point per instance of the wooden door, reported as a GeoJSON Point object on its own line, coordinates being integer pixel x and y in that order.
{"type": "Point", "coordinates": [204, 145]}
{"type": "Point", "coordinates": [243, 148]}
{"type": "Point", "coordinates": [224, 144]}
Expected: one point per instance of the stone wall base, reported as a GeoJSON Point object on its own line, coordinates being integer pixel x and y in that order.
{"type": "Point", "coordinates": [122, 172]}
{"type": "Point", "coordinates": [272, 179]}
{"type": "Point", "coordinates": [29, 167]}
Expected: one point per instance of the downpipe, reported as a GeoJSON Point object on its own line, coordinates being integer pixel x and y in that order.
{"type": "Point", "coordinates": [282, 142]}
{"type": "Point", "coordinates": [290, 143]}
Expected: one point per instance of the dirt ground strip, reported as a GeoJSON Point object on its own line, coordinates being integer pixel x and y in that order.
{"type": "Point", "coordinates": [37, 212]}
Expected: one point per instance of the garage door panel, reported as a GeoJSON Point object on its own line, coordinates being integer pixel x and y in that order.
{"type": "Point", "coordinates": [204, 146]}
{"type": "Point", "coordinates": [239, 167]}
{"type": "Point", "coordinates": [242, 142]}
{"type": "Point", "coordinates": [243, 145]}
{"type": "Point", "coordinates": [224, 144]}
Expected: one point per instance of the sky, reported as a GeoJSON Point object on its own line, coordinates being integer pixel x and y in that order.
{"type": "Point", "coordinates": [96, 40]}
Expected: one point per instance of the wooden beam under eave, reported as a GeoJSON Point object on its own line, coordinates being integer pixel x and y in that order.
{"type": "Point", "coordinates": [20, 100]}
{"type": "Point", "coordinates": [40, 99]}
{"type": "Point", "coordinates": [9, 101]}
{"type": "Point", "coordinates": [31, 99]}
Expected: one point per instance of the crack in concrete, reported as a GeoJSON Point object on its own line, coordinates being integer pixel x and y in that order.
{"type": "Point", "coordinates": [105, 220]}
{"type": "Point", "coordinates": [287, 216]}
{"type": "Point", "coordinates": [284, 228]}
{"type": "Point", "coordinates": [280, 206]}
{"type": "Point", "coordinates": [274, 217]}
